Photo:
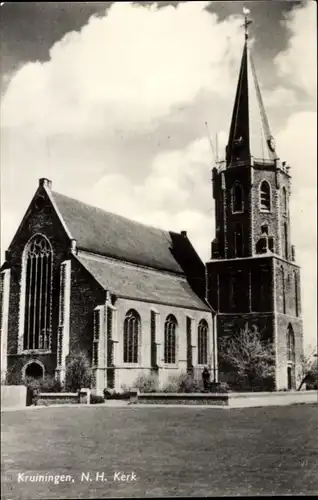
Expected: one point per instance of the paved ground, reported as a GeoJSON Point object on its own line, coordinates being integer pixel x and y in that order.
{"type": "Point", "coordinates": [171, 451]}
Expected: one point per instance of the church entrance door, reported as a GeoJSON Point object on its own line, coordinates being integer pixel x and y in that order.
{"type": "Point", "coordinates": [290, 378]}
{"type": "Point", "coordinates": [34, 370]}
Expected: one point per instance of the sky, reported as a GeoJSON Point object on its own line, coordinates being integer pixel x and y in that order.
{"type": "Point", "coordinates": [109, 101]}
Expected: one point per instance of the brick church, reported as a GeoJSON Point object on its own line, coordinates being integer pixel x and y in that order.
{"type": "Point", "coordinates": [137, 299]}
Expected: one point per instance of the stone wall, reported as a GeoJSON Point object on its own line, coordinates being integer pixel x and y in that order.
{"type": "Point", "coordinates": [126, 374]}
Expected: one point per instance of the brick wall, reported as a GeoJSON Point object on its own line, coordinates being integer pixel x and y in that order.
{"type": "Point", "coordinates": [86, 294]}
{"type": "Point", "coordinates": [256, 293]}
{"type": "Point", "coordinates": [282, 324]}
{"type": "Point", "coordinates": [46, 222]}
{"type": "Point", "coordinates": [250, 178]}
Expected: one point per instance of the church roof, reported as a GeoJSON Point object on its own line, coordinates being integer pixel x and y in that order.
{"type": "Point", "coordinates": [109, 234]}
{"type": "Point", "coordinates": [129, 281]}
{"type": "Point", "coordinates": [250, 133]}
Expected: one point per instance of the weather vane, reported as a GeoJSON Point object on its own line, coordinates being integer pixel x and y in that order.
{"type": "Point", "coordinates": [247, 21]}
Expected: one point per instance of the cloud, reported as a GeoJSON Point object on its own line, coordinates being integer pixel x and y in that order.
{"type": "Point", "coordinates": [95, 119]}
{"type": "Point", "coordinates": [297, 63]}
{"type": "Point", "coordinates": [128, 65]}
{"type": "Point", "coordinates": [297, 143]}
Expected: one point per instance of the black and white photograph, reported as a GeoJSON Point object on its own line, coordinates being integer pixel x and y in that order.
{"type": "Point", "coordinates": [158, 274]}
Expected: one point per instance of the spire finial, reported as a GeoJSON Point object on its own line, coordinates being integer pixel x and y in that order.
{"type": "Point", "coordinates": [247, 21]}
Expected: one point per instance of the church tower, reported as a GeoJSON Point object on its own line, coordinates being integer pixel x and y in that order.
{"type": "Point", "coordinates": [252, 277]}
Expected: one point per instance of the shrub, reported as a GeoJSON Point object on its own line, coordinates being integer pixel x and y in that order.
{"type": "Point", "coordinates": [172, 385]}
{"type": "Point", "coordinates": [124, 388]}
{"type": "Point", "coordinates": [146, 383]}
{"type": "Point", "coordinates": [96, 399]}
{"type": "Point", "coordinates": [222, 387]}
{"type": "Point", "coordinates": [183, 382]}
{"type": "Point", "coordinates": [113, 394]}
{"type": "Point", "coordinates": [47, 384]}
{"type": "Point", "coordinates": [78, 372]}
{"type": "Point", "coordinates": [109, 393]}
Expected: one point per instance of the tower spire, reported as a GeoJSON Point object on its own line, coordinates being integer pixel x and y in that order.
{"type": "Point", "coordinates": [249, 131]}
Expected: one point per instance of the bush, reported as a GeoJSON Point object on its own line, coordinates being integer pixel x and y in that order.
{"type": "Point", "coordinates": [183, 382]}
{"type": "Point", "coordinates": [96, 399]}
{"type": "Point", "coordinates": [47, 384]}
{"type": "Point", "coordinates": [221, 387]}
{"type": "Point", "coordinates": [78, 372]}
{"type": "Point", "coordinates": [113, 394]}
{"type": "Point", "coordinates": [147, 383]}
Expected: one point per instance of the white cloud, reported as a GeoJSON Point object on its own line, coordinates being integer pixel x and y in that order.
{"type": "Point", "coordinates": [297, 63]}
{"type": "Point", "coordinates": [92, 119]}
{"type": "Point", "coordinates": [129, 65]}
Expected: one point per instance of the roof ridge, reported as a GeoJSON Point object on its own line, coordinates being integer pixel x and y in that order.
{"type": "Point", "coordinates": [114, 213]}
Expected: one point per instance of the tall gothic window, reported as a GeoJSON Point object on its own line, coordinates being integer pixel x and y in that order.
{"type": "Point", "coordinates": [170, 339]}
{"type": "Point", "coordinates": [38, 262]}
{"type": "Point", "coordinates": [203, 342]}
{"type": "Point", "coordinates": [285, 235]}
{"type": "Point", "coordinates": [131, 336]}
{"type": "Point", "coordinates": [238, 240]}
{"type": "Point", "coordinates": [189, 345]}
{"type": "Point", "coordinates": [1, 298]}
{"type": "Point", "coordinates": [237, 198]}
{"type": "Point", "coordinates": [290, 344]}
{"type": "Point", "coordinates": [265, 197]}
{"type": "Point", "coordinates": [284, 200]}
{"type": "Point", "coordinates": [96, 329]}
{"type": "Point", "coordinates": [153, 347]}
{"type": "Point", "coordinates": [282, 280]}
{"type": "Point", "coordinates": [296, 294]}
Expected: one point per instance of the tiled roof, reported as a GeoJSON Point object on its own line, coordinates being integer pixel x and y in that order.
{"type": "Point", "coordinates": [109, 234]}
{"type": "Point", "coordinates": [130, 281]}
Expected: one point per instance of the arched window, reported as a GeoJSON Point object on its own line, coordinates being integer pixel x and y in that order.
{"type": "Point", "coordinates": [296, 294]}
{"type": "Point", "coordinates": [284, 201]}
{"type": "Point", "coordinates": [170, 339]}
{"type": "Point", "coordinates": [264, 228]}
{"type": "Point", "coordinates": [38, 262]}
{"type": "Point", "coordinates": [290, 347]}
{"type": "Point", "coordinates": [285, 236]}
{"type": "Point", "coordinates": [238, 240]}
{"type": "Point", "coordinates": [265, 197]}
{"type": "Point", "coordinates": [290, 344]}
{"type": "Point", "coordinates": [282, 284]}
{"type": "Point", "coordinates": [203, 342]}
{"type": "Point", "coordinates": [131, 336]}
{"type": "Point", "coordinates": [237, 198]}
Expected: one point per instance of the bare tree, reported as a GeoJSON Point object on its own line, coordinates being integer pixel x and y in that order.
{"type": "Point", "coordinates": [247, 355]}
{"type": "Point", "coordinates": [309, 369]}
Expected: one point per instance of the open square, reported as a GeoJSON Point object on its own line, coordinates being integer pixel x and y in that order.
{"type": "Point", "coordinates": [171, 451]}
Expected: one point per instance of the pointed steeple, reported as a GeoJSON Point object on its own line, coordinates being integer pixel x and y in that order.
{"type": "Point", "coordinates": [250, 134]}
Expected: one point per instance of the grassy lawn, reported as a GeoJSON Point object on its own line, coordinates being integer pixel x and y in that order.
{"type": "Point", "coordinates": [172, 451]}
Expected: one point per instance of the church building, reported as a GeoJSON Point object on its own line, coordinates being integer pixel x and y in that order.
{"type": "Point", "coordinates": [131, 297]}
{"type": "Point", "coordinates": [139, 300]}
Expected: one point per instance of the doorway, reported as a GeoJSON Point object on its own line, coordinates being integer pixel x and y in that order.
{"type": "Point", "coordinates": [34, 370]}
{"type": "Point", "coordinates": [291, 377]}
